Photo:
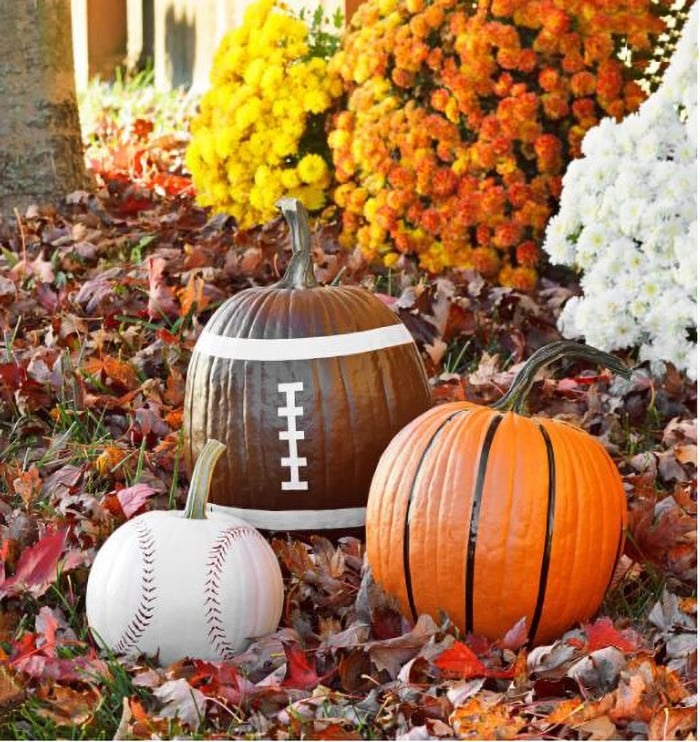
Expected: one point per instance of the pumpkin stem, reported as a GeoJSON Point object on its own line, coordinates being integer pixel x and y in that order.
{"type": "Point", "coordinates": [300, 271]}
{"type": "Point", "coordinates": [515, 398]}
{"type": "Point", "coordinates": [200, 483]}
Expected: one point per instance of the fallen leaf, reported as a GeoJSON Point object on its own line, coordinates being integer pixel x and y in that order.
{"type": "Point", "coordinates": [301, 673]}
{"type": "Point", "coordinates": [517, 636]}
{"type": "Point", "coordinates": [483, 718]}
{"type": "Point", "coordinates": [162, 301]}
{"type": "Point", "coordinates": [674, 723]}
{"type": "Point", "coordinates": [392, 654]}
{"type": "Point", "coordinates": [459, 661]}
{"type": "Point", "coordinates": [28, 486]}
{"type": "Point", "coordinates": [11, 692]}
{"type": "Point", "coordinates": [67, 706]}
{"type": "Point", "coordinates": [599, 670]}
{"type": "Point", "coordinates": [37, 567]}
{"type": "Point", "coordinates": [133, 498]}
{"type": "Point", "coordinates": [179, 700]}
{"type": "Point", "coordinates": [602, 633]}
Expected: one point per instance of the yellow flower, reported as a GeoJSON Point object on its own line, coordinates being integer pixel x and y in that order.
{"type": "Point", "coordinates": [264, 90]}
{"type": "Point", "coordinates": [290, 178]}
{"type": "Point", "coordinates": [316, 101]}
{"type": "Point", "coordinates": [312, 169]}
{"type": "Point", "coordinates": [254, 71]}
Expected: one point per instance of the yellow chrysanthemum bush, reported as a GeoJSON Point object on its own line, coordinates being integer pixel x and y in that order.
{"type": "Point", "coordinates": [461, 118]}
{"type": "Point", "coordinates": [260, 132]}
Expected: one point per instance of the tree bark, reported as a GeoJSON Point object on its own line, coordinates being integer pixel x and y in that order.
{"type": "Point", "coordinates": [41, 152]}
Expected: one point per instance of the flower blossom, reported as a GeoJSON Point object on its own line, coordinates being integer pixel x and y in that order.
{"type": "Point", "coordinates": [260, 134]}
{"type": "Point", "coordinates": [461, 121]}
{"type": "Point", "coordinates": [627, 221]}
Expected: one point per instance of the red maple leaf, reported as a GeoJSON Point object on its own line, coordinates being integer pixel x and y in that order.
{"type": "Point", "coordinates": [461, 661]}
{"type": "Point", "coordinates": [603, 634]}
{"type": "Point", "coordinates": [37, 567]}
{"type": "Point", "coordinates": [300, 672]}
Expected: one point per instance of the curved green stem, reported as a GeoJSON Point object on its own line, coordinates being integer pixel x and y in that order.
{"type": "Point", "coordinates": [200, 484]}
{"type": "Point", "coordinates": [515, 398]}
{"type": "Point", "coordinates": [300, 271]}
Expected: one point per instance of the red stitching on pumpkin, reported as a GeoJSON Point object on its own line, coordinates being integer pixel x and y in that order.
{"type": "Point", "coordinates": [213, 610]}
{"type": "Point", "coordinates": [144, 612]}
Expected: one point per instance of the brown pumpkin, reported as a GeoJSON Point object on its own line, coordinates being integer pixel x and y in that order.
{"type": "Point", "coordinates": [305, 385]}
{"type": "Point", "coordinates": [491, 516]}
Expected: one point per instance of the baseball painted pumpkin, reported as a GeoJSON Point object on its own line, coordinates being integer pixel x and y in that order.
{"type": "Point", "coordinates": [184, 584]}
{"type": "Point", "coordinates": [306, 385]}
{"type": "Point", "coordinates": [491, 516]}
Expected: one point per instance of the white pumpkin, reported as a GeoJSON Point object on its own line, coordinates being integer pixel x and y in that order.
{"type": "Point", "coordinates": [192, 583]}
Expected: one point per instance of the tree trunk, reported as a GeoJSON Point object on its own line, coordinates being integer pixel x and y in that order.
{"type": "Point", "coordinates": [41, 153]}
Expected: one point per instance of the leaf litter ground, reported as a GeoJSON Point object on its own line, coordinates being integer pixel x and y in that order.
{"type": "Point", "coordinates": [101, 301]}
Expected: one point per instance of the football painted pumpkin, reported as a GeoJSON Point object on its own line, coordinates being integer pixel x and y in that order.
{"type": "Point", "coordinates": [491, 516]}
{"type": "Point", "coordinates": [306, 385]}
{"type": "Point", "coordinates": [184, 584]}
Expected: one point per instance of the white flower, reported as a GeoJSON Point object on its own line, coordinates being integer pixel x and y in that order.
{"type": "Point", "coordinates": [627, 220]}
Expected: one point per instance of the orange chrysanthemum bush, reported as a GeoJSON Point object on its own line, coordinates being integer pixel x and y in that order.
{"type": "Point", "coordinates": [461, 119]}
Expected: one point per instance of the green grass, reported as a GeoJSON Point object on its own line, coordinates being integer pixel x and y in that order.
{"type": "Point", "coordinates": [133, 96]}
{"type": "Point", "coordinates": [30, 720]}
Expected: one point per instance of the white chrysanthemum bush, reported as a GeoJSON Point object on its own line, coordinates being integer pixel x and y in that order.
{"type": "Point", "coordinates": [628, 219]}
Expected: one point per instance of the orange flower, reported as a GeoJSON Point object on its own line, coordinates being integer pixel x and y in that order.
{"type": "Point", "coordinates": [483, 234]}
{"type": "Point", "coordinates": [503, 85]}
{"type": "Point", "coordinates": [508, 58]}
{"type": "Point", "coordinates": [522, 278]}
{"type": "Point", "coordinates": [439, 99]}
{"type": "Point", "coordinates": [434, 16]}
{"type": "Point", "coordinates": [506, 234]}
{"type": "Point", "coordinates": [556, 21]}
{"type": "Point", "coordinates": [444, 182]}
{"type": "Point", "coordinates": [528, 61]}
{"type": "Point", "coordinates": [549, 79]}
{"type": "Point", "coordinates": [485, 260]}
{"type": "Point", "coordinates": [461, 148]}
{"type": "Point", "coordinates": [634, 95]}
{"type": "Point", "coordinates": [598, 47]}
{"type": "Point", "coordinates": [519, 194]}
{"type": "Point", "coordinates": [402, 77]}
{"type": "Point", "coordinates": [431, 221]}
{"type": "Point", "coordinates": [482, 156]}
{"type": "Point", "coordinates": [527, 253]}
{"type": "Point", "coordinates": [548, 150]}
{"type": "Point", "coordinates": [386, 218]}
{"type": "Point", "coordinates": [584, 110]}
{"type": "Point", "coordinates": [555, 106]}
{"type": "Point", "coordinates": [609, 83]}
{"type": "Point", "coordinates": [583, 83]}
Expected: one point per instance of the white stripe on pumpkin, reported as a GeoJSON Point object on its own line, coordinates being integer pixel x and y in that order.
{"type": "Point", "coordinates": [297, 349]}
{"type": "Point", "coordinates": [296, 520]}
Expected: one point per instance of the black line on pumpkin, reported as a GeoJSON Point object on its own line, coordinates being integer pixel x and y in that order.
{"type": "Point", "coordinates": [474, 521]}
{"type": "Point", "coordinates": [549, 534]}
{"type": "Point", "coordinates": [409, 512]}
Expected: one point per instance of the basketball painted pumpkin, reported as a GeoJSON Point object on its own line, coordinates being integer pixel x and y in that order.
{"type": "Point", "coordinates": [306, 385]}
{"type": "Point", "coordinates": [491, 516]}
{"type": "Point", "coordinates": [192, 583]}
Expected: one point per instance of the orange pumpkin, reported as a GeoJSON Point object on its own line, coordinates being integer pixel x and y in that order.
{"type": "Point", "coordinates": [490, 515]}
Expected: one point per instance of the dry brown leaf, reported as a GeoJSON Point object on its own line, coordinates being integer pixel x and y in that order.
{"type": "Point", "coordinates": [68, 706]}
{"type": "Point", "coordinates": [483, 718]}
{"type": "Point", "coordinates": [674, 723]}
{"type": "Point", "coordinates": [599, 728]}
{"type": "Point", "coordinates": [391, 654]}
{"type": "Point", "coordinates": [11, 692]}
